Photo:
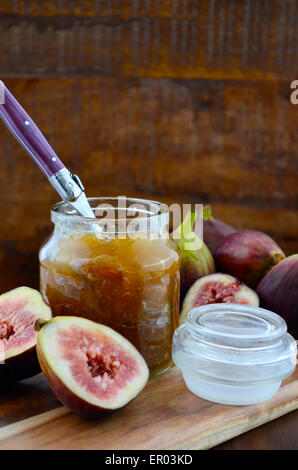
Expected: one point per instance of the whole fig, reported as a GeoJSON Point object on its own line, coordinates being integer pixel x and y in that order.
{"type": "Point", "coordinates": [248, 255]}
{"type": "Point", "coordinates": [214, 230]}
{"type": "Point", "coordinates": [196, 259]}
{"type": "Point", "coordinates": [278, 292]}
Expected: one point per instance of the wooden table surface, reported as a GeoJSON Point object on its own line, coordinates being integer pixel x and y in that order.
{"type": "Point", "coordinates": [34, 397]}
{"type": "Point", "coordinates": [280, 434]}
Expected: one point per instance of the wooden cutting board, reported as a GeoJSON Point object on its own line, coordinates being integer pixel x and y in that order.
{"type": "Point", "coordinates": [164, 416]}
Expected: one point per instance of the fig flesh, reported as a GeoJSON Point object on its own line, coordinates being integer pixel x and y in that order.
{"type": "Point", "coordinates": [214, 230]}
{"type": "Point", "coordinates": [217, 288]}
{"type": "Point", "coordinates": [89, 366]}
{"type": "Point", "coordinates": [196, 262]}
{"type": "Point", "coordinates": [19, 309]}
{"type": "Point", "coordinates": [248, 255]}
{"type": "Point", "coordinates": [278, 292]}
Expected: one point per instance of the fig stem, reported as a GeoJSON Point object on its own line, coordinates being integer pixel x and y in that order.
{"type": "Point", "coordinates": [186, 226]}
{"type": "Point", "coordinates": [207, 212]}
{"type": "Point", "coordinates": [277, 257]}
{"type": "Point", "coordinates": [188, 223]}
{"type": "Point", "coordinates": [184, 235]}
{"type": "Point", "coordinates": [39, 323]}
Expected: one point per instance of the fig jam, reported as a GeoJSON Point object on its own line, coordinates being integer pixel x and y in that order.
{"type": "Point", "coordinates": [130, 285]}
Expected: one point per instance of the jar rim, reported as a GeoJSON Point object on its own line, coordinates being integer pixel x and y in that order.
{"type": "Point", "coordinates": [152, 215]}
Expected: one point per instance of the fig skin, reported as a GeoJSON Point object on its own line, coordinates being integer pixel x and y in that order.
{"type": "Point", "coordinates": [24, 364]}
{"type": "Point", "coordinates": [214, 230]}
{"type": "Point", "coordinates": [63, 392]}
{"type": "Point", "coordinates": [194, 268]}
{"type": "Point", "coordinates": [20, 367]}
{"type": "Point", "coordinates": [247, 255]}
{"type": "Point", "coordinates": [244, 295]}
{"type": "Point", "coordinates": [195, 263]}
{"type": "Point", "coordinates": [278, 292]}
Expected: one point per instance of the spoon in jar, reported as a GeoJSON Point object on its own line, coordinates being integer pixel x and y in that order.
{"type": "Point", "coordinates": [68, 186]}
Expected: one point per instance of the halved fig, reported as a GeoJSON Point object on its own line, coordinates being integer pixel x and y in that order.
{"type": "Point", "coordinates": [217, 288]}
{"type": "Point", "coordinates": [89, 366]}
{"type": "Point", "coordinates": [19, 310]}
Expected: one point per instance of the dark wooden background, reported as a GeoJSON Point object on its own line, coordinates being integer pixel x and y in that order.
{"type": "Point", "coordinates": [178, 100]}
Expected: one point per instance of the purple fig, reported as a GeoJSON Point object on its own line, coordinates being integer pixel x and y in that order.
{"type": "Point", "coordinates": [248, 255]}
{"type": "Point", "coordinates": [196, 259]}
{"type": "Point", "coordinates": [278, 292]}
{"type": "Point", "coordinates": [217, 288]}
{"type": "Point", "coordinates": [214, 230]}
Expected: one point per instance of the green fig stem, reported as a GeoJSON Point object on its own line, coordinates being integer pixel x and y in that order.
{"type": "Point", "coordinates": [207, 213]}
{"type": "Point", "coordinates": [276, 257]}
{"type": "Point", "coordinates": [186, 227]}
{"type": "Point", "coordinates": [188, 222]}
{"type": "Point", "coordinates": [184, 236]}
{"type": "Point", "coordinates": [39, 324]}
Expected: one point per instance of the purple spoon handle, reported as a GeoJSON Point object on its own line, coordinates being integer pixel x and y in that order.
{"type": "Point", "coordinates": [28, 134]}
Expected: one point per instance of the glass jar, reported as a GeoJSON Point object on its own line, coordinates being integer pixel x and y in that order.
{"type": "Point", "coordinates": [234, 354]}
{"type": "Point", "coordinates": [118, 270]}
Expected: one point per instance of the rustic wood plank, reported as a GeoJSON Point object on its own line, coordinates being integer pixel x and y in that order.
{"type": "Point", "coordinates": [188, 39]}
{"type": "Point", "coordinates": [280, 434]}
{"type": "Point", "coordinates": [214, 141]}
{"type": "Point", "coordinates": [26, 399]}
{"type": "Point", "coordinates": [162, 414]}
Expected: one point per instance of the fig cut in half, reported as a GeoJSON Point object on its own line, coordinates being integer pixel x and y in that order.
{"type": "Point", "coordinates": [19, 310]}
{"type": "Point", "coordinates": [89, 366]}
{"type": "Point", "coordinates": [217, 288]}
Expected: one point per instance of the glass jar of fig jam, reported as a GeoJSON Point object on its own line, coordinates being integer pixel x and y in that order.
{"type": "Point", "coordinates": [120, 269]}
